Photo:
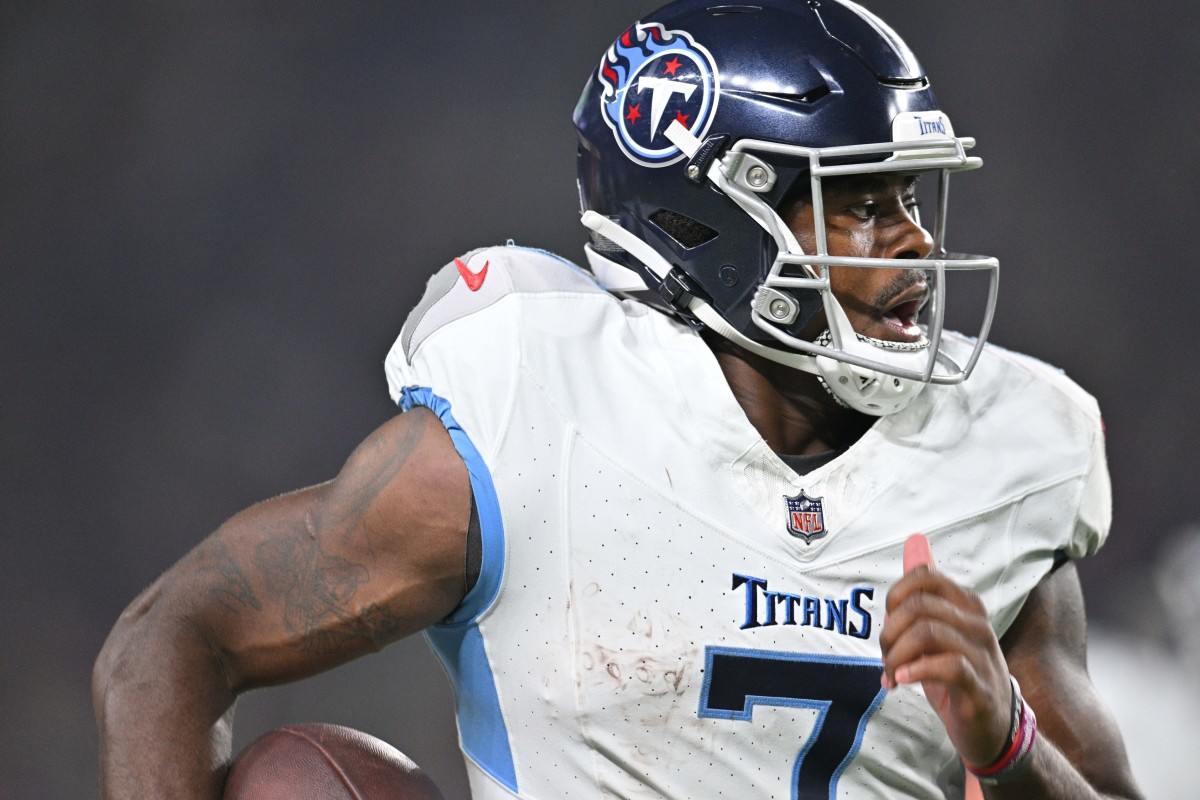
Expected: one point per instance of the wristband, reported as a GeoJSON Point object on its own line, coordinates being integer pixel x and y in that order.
{"type": "Point", "coordinates": [1018, 751]}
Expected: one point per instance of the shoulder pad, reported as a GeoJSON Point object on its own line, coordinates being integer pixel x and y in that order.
{"type": "Point", "coordinates": [483, 277]}
{"type": "Point", "coordinates": [1053, 376]}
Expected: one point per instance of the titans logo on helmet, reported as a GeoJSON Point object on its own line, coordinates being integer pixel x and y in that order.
{"type": "Point", "coordinates": [653, 77]}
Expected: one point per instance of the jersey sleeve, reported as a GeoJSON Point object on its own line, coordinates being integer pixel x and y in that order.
{"type": "Point", "coordinates": [459, 354]}
{"type": "Point", "coordinates": [457, 293]}
{"type": "Point", "coordinates": [466, 331]}
{"type": "Point", "coordinates": [1095, 506]}
{"type": "Point", "coordinates": [1093, 512]}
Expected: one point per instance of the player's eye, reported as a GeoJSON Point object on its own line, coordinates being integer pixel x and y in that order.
{"type": "Point", "coordinates": [865, 211]}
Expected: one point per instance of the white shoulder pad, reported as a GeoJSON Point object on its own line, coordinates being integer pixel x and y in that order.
{"type": "Point", "coordinates": [1094, 515]}
{"type": "Point", "coordinates": [482, 278]}
{"type": "Point", "coordinates": [1095, 506]}
{"type": "Point", "coordinates": [1055, 377]}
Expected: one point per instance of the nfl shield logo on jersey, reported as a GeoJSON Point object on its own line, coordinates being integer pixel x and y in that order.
{"type": "Point", "coordinates": [805, 517]}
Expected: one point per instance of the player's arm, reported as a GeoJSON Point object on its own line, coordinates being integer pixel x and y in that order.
{"type": "Point", "coordinates": [1080, 752]}
{"type": "Point", "coordinates": [283, 590]}
{"type": "Point", "coordinates": [937, 634]}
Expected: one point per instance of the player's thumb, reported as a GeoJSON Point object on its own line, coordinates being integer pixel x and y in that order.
{"type": "Point", "coordinates": [917, 552]}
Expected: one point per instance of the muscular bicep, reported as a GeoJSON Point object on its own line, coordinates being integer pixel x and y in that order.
{"type": "Point", "coordinates": [1046, 650]}
{"type": "Point", "coordinates": [311, 579]}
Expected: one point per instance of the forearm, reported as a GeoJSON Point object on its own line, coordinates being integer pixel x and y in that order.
{"type": "Point", "coordinates": [1079, 751]}
{"type": "Point", "coordinates": [1050, 775]}
{"type": "Point", "coordinates": [163, 708]}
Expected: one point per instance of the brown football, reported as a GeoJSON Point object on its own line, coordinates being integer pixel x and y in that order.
{"type": "Point", "coordinates": [317, 761]}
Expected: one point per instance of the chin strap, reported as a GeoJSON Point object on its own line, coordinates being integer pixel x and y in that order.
{"type": "Point", "coordinates": [865, 390]}
{"type": "Point", "coordinates": [613, 276]}
{"type": "Point", "coordinates": [697, 307]}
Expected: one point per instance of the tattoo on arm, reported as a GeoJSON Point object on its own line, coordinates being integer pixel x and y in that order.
{"type": "Point", "coordinates": [395, 456]}
{"type": "Point", "coordinates": [230, 586]}
{"type": "Point", "coordinates": [318, 588]}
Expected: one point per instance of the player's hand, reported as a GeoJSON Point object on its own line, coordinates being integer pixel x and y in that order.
{"type": "Point", "coordinates": [937, 633]}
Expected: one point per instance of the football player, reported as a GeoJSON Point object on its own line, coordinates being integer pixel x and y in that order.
{"type": "Point", "coordinates": [730, 513]}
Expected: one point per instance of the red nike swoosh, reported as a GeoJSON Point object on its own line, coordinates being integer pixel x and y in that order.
{"type": "Point", "coordinates": [473, 279]}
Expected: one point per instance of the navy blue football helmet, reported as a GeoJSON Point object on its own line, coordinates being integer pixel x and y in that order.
{"type": "Point", "coordinates": [703, 118]}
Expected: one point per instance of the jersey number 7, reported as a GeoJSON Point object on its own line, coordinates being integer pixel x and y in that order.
{"type": "Point", "coordinates": [844, 691]}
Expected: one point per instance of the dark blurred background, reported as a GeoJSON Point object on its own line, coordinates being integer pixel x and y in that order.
{"type": "Point", "coordinates": [214, 218]}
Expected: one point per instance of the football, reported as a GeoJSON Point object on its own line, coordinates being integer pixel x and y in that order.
{"type": "Point", "coordinates": [317, 761]}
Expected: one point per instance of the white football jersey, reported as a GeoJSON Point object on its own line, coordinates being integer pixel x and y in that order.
{"type": "Point", "coordinates": [665, 608]}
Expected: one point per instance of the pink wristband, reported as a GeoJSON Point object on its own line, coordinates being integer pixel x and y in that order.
{"type": "Point", "coordinates": [1017, 754]}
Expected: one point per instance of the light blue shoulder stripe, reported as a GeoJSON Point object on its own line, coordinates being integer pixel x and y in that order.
{"type": "Point", "coordinates": [556, 257]}
{"type": "Point", "coordinates": [457, 640]}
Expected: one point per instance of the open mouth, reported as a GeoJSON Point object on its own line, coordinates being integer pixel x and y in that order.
{"type": "Point", "coordinates": [901, 316]}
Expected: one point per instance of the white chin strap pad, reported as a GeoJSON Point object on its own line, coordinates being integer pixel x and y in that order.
{"type": "Point", "coordinates": [867, 390]}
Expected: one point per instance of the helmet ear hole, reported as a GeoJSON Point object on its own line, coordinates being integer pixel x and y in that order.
{"type": "Point", "coordinates": [686, 232]}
